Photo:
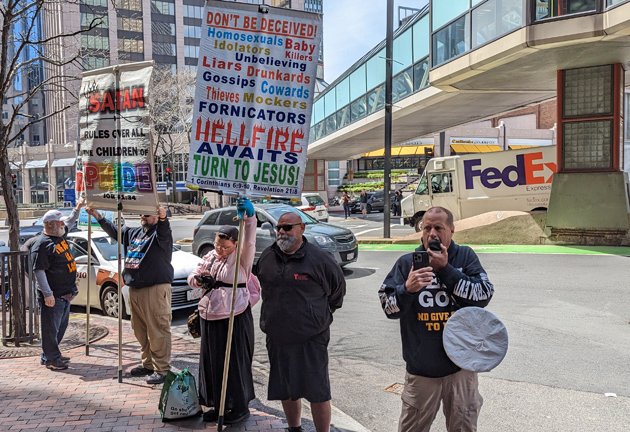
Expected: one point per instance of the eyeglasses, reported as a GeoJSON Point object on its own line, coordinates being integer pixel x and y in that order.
{"type": "Point", "coordinates": [286, 227]}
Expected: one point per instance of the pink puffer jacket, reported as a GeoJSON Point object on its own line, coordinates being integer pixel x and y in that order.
{"type": "Point", "coordinates": [216, 304]}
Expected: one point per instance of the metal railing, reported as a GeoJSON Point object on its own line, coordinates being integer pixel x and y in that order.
{"type": "Point", "coordinates": [20, 322]}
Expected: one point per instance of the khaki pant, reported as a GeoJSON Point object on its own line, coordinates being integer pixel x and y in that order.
{"type": "Point", "coordinates": [151, 323]}
{"type": "Point", "coordinates": [422, 396]}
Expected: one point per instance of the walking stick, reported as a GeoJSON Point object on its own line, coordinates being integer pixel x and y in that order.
{"type": "Point", "coordinates": [228, 347]}
{"type": "Point", "coordinates": [89, 273]}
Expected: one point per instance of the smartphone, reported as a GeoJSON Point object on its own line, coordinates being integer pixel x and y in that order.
{"type": "Point", "coordinates": [420, 260]}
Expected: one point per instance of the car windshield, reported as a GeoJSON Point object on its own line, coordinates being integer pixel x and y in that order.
{"type": "Point", "coordinates": [276, 212]}
{"type": "Point", "coordinates": [277, 200]}
{"type": "Point", "coordinates": [108, 247]}
{"type": "Point", "coordinates": [314, 200]}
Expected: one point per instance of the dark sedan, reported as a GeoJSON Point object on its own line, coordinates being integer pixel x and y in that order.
{"type": "Point", "coordinates": [376, 202]}
{"type": "Point", "coordinates": [340, 242]}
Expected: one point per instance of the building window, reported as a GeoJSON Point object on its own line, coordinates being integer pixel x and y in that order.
{"type": "Point", "coordinates": [63, 173]}
{"type": "Point", "coordinates": [192, 31]}
{"type": "Point", "coordinates": [163, 28]}
{"type": "Point", "coordinates": [161, 48]}
{"type": "Point", "coordinates": [133, 5]}
{"type": "Point", "coordinates": [313, 6]}
{"type": "Point", "coordinates": [90, 62]}
{"type": "Point", "coordinates": [130, 24]}
{"type": "Point", "coordinates": [495, 18]}
{"type": "Point", "coordinates": [101, 3]}
{"type": "Point", "coordinates": [191, 51]}
{"type": "Point", "coordinates": [451, 41]}
{"type": "Point", "coordinates": [193, 11]}
{"type": "Point", "coordinates": [94, 20]}
{"type": "Point", "coordinates": [334, 179]}
{"type": "Point", "coordinates": [131, 45]}
{"type": "Point", "coordinates": [95, 42]}
{"type": "Point", "coordinates": [162, 7]}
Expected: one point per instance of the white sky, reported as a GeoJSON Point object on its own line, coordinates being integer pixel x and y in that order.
{"type": "Point", "coordinates": [352, 28]}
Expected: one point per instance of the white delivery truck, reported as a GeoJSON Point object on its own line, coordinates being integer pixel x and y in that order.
{"type": "Point", "coordinates": [473, 184]}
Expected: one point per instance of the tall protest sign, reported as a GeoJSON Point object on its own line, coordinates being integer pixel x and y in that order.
{"type": "Point", "coordinates": [116, 152]}
{"type": "Point", "coordinates": [252, 109]}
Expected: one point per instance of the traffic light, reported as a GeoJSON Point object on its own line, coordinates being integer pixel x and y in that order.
{"type": "Point", "coordinates": [168, 174]}
{"type": "Point", "coordinates": [14, 181]}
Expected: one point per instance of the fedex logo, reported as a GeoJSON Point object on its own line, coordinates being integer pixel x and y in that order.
{"type": "Point", "coordinates": [529, 170]}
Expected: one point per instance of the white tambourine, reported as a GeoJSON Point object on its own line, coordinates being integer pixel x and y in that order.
{"type": "Point", "coordinates": [475, 339]}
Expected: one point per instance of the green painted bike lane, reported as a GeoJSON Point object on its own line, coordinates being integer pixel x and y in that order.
{"type": "Point", "coordinates": [523, 249]}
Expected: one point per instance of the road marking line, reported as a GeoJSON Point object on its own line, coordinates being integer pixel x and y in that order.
{"type": "Point", "coordinates": [366, 231]}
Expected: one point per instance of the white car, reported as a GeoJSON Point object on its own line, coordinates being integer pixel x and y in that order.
{"type": "Point", "coordinates": [310, 203]}
{"type": "Point", "coordinates": [104, 277]}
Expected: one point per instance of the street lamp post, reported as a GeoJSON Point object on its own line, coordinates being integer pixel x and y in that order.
{"type": "Point", "coordinates": [54, 190]}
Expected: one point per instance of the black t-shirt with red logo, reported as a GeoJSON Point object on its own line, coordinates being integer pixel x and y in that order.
{"type": "Point", "coordinates": [299, 292]}
{"type": "Point", "coordinates": [53, 255]}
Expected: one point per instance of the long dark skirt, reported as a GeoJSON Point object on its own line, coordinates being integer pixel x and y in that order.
{"type": "Point", "coordinates": [240, 386]}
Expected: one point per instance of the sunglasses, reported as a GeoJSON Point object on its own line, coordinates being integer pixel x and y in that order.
{"type": "Point", "coordinates": [286, 227]}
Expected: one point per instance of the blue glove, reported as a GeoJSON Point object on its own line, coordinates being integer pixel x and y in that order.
{"type": "Point", "coordinates": [244, 207]}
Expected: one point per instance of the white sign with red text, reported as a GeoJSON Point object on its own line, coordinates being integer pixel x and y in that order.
{"type": "Point", "coordinates": [252, 109]}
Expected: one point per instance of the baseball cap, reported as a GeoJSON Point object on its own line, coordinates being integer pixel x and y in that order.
{"type": "Point", "coordinates": [53, 215]}
{"type": "Point", "coordinates": [475, 339]}
{"type": "Point", "coordinates": [229, 231]}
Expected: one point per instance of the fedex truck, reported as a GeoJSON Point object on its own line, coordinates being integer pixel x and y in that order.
{"type": "Point", "coordinates": [473, 184]}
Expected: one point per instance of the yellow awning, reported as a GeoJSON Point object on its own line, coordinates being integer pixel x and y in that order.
{"type": "Point", "coordinates": [518, 147]}
{"type": "Point", "coordinates": [400, 151]}
{"type": "Point", "coordinates": [475, 148]}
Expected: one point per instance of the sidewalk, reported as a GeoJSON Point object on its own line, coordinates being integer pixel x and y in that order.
{"type": "Point", "coordinates": [88, 397]}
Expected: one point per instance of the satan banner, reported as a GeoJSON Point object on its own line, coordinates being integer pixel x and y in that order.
{"type": "Point", "coordinates": [252, 109]}
{"type": "Point", "coordinates": [116, 153]}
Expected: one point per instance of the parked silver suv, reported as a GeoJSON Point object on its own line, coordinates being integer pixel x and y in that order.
{"type": "Point", "coordinates": [337, 240]}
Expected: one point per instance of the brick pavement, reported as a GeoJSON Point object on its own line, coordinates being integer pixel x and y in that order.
{"type": "Point", "coordinates": [88, 396]}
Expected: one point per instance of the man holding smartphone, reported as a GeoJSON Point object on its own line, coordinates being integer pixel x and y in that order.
{"type": "Point", "coordinates": [422, 290]}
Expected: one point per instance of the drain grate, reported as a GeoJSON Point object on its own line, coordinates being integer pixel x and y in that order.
{"type": "Point", "coordinates": [396, 388]}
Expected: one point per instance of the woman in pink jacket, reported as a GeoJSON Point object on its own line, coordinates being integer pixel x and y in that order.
{"type": "Point", "coordinates": [214, 311]}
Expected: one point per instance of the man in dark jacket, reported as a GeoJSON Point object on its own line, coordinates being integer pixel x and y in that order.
{"type": "Point", "coordinates": [148, 273]}
{"type": "Point", "coordinates": [302, 286]}
{"type": "Point", "coordinates": [423, 300]}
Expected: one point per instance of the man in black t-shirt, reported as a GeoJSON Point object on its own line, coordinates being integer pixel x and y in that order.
{"type": "Point", "coordinates": [55, 272]}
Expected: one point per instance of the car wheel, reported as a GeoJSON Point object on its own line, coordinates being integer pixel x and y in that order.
{"type": "Point", "coordinates": [203, 250]}
{"type": "Point", "coordinates": [109, 302]}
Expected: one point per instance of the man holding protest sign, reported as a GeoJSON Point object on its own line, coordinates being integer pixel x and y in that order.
{"type": "Point", "coordinates": [148, 273]}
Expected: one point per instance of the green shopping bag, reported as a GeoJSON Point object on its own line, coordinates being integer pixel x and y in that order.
{"type": "Point", "coordinates": [179, 398]}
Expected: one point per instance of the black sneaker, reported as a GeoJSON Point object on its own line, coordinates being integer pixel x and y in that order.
{"type": "Point", "coordinates": [63, 359]}
{"type": "Point", "coordinates": [156, 378]}
{"type": "Point", "coordinates": [294, 429]}
{"type": "Point", "coordinates": [211, 416]}
{"type": "Point", "coordinates": [232, 417]}
{"type": "Point", "coordinates": [56, 365]}
{"type": "Point", "coordinates": [139, 371]}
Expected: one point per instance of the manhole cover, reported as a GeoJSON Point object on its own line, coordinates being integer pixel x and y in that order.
{"type": "Point", "coordinates": [396, 388]}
